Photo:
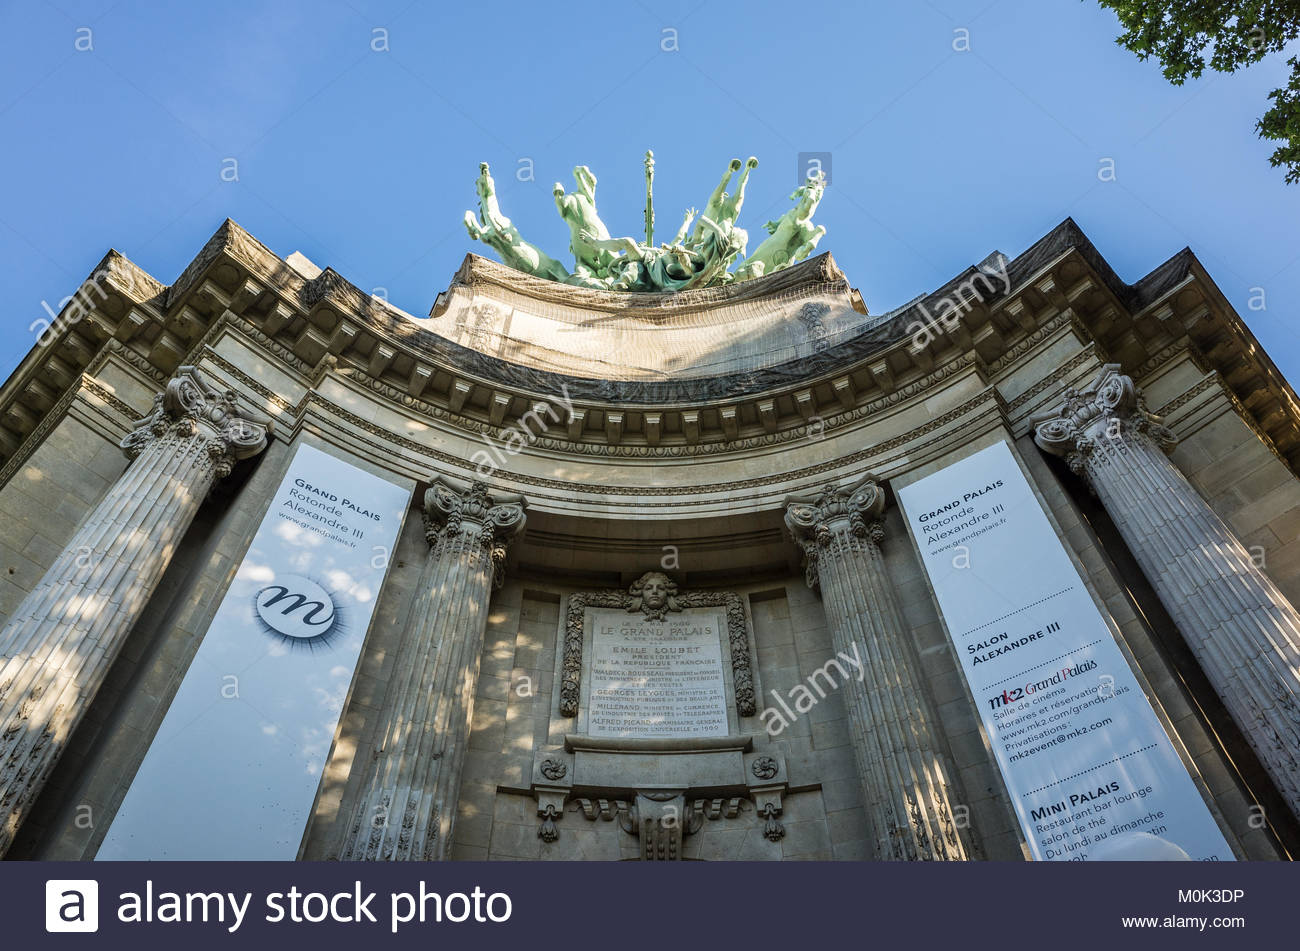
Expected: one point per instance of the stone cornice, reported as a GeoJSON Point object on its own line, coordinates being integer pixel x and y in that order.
{"type": "Point", "coordinates": [37, 436]}
{"type": "Point", "coordinates": [311, 324]}
{"type": "Point", "coordinates": [558, 443]}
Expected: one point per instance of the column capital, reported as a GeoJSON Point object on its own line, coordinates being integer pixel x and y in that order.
{"type": "Point", "coordinates": [834, 517]}
{"type": "Point", "coordinates": [1111, 407]}
{"type": "Point", "coordinates": [190, 406]}
{"type": "Point", "coordinates": [473, 516]}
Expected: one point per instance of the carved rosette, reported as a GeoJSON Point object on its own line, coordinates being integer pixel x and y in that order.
{"type": "Point", "coordinates": [1098, 421]}
{"type": "Point", "coordinates": [472, 523]}
{"type": "Point", "coordinates": [836, 520]}
{"type": "Point", "coordinates": [192, 415]}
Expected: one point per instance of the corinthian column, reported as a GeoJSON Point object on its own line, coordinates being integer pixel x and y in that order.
{"type": "Point", "coordinates": [64, 636]}
{"type": "Point", "coordinates": [904, 777]}
{"type": "Point", "coordinates": [1243, 631]}
{"type": "Point", "coordinates": [407, 803]}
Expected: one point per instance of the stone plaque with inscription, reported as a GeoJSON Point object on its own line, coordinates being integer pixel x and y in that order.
{"type": "Point", "coordinates": [656, 677]}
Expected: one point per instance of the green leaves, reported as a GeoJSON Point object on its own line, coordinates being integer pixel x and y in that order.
{"type": "Point", "coordinates": [1188, 36]}
{"type": "Point", "coordinates": [1282, 122]}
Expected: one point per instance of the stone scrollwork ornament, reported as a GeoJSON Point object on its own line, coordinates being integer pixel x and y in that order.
{"type": "Point", "coordinates": [190, 407]}
{"type": "Point", "coordinates": [773, 830]}
{"type": "Point", "coordinates": [472, 520]}
{"type": "Point", "coordinates": [1097, 418]}
{"type": "Point", "coordinates": [547, 831]}
{"type": "Point", "coordinates": [855, 512]}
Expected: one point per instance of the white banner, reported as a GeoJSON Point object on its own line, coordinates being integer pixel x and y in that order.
{"type": "Point", "coordinates": [233, 770]}
{"type": "Point", "coordinates": [1091, 771]}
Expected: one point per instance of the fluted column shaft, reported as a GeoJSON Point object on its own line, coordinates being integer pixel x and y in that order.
{"type": "Point", "coordinates": [1242, 629]}
{"type": "Point", "coordinates": [61, 640]}
{"type": "Point", "coordinates": [407, 804]}
{"type": "Point", "coordinates": [905, 786]}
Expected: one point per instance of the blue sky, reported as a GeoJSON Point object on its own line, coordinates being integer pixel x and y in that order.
{"type": "Point", "coordinates": [365, 159]}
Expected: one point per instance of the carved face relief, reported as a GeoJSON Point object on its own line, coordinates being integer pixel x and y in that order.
{"type": "Point", "coordinates": [654, 594]}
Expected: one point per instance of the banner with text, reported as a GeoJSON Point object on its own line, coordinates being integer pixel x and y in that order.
{"type": "Point", "coordinates": [233, 769]}
{"type": "Point", "coordinates": [1091, 770]}
{"type": "Point", "coordinates": [657, 678]}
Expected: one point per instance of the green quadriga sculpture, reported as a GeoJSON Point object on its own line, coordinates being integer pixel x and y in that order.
{"type": "Point", "coordinates": [699, 256]}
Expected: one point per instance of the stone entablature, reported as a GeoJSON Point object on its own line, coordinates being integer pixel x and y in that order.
{"type": "Point", "coordinates": [306, 321]}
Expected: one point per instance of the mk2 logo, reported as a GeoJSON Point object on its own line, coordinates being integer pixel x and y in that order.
{"type": "Point", "coordinates": [298, 611]}
{"type": "Point", "coordinates": [1016, 694]}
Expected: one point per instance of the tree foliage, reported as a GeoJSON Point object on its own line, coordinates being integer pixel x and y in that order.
{"type": "Point", "coordinates": [1187, 36]}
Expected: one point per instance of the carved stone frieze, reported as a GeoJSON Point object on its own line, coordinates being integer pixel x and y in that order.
{"type": "Point", "coordinates": [727, 783]}
{"type": "Point", "coordinates": [661, 819]}
{"type": "Point", "coordinates": [385, 439]}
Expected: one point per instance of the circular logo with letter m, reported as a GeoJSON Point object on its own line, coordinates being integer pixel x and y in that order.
{"type": "Point", "coordinates": [297, 609]}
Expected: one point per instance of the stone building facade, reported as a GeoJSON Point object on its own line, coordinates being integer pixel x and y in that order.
{"type": "Point", "coordinates": [726, 460]}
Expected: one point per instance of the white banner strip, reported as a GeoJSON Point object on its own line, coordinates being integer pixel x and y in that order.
{"type": "Point", "coordinates": [233, 770]}
{"type": "Point", "coordinates": [1090, 769]}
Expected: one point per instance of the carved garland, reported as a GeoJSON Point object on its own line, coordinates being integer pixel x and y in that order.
{"type": "Point", "coordinates": [737, 641]}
